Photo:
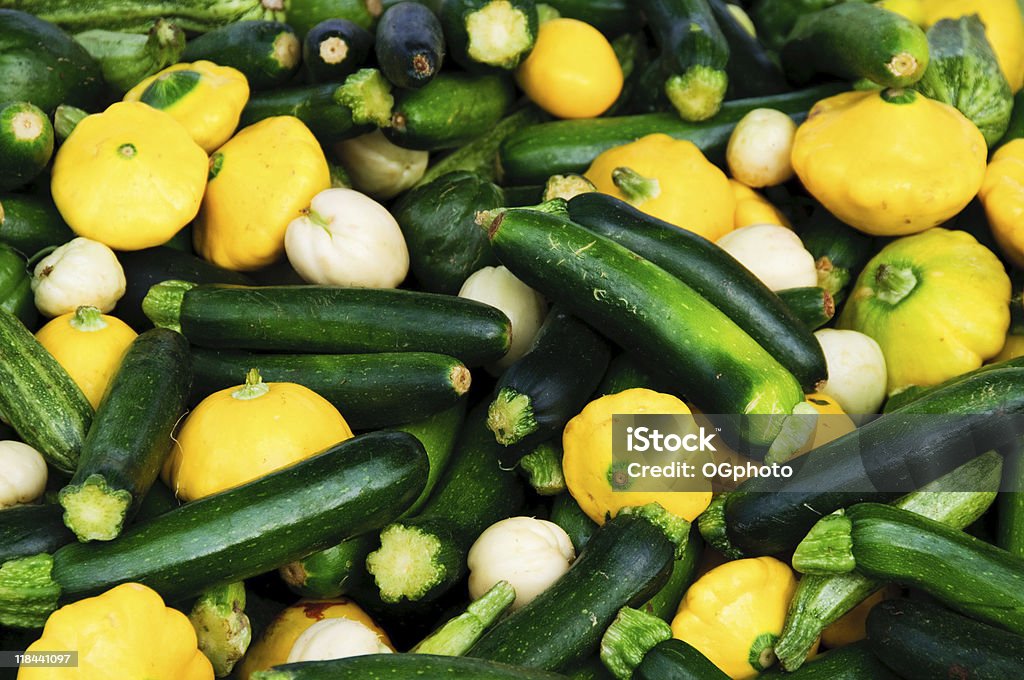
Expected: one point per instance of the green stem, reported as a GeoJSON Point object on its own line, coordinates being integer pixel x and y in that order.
{"type": "Point", "coordinates": [94, 510]}
{"type": "Point", "coordinates": [676, 528]}
{"type": "Point", "coordinates": [762, 651]}
{"type": "Point", "coordinates": [892, 283]}
{"type": "Point", "coordinates": [827, 548]}
{"type": "Point", "coordinates": [456, 636]}
{"type": "Point", "coordinates": [162, 304]}
{"type": "Point", "coordinates": [253, 388]}
{"type": "Point", "coordinates": [899, 95]}
{"type": "Point", "coordinates": [510, 416]}
{"type": "Point", "coordinates": [634, 186]}
{"type": "Point", "coordinates": [65, 119]}
{"type": "Point", "coordinates": [631, 635]}
{"type": "Point", "coordinates": [715, 529]}
{"type": "Point", "coordinates": [88, 319]}
{"type": "Point", "coordinates": [543, 468]}
{"type": "Point", "coordinates": [222, 628]}
{"type": "Point", "coordinates": [368, 94]}
{"type": "Point", "coordinates": [28, 593]}
{"type": "Point", "coordinates": [697, 94]}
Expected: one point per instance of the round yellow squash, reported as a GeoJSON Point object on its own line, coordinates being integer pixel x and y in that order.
{"type": "Point", "coordinates": [243, 433]}
{"type": "Point", "coordinates": [1002, 194]}
{"type": "Point", "coordinates": [90, 347]}
{"type": "Point", "coordinates": [889, 162]}
{"type": "Point", "coordinates": [130, 177]}
{"type": "Point", "coordinates": [753, 208]}
{"type": "Point", "coordinates": [1004, 29]}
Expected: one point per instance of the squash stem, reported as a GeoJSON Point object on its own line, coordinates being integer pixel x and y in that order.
{"type": "Point", "coordinates": [697, 94]}
{"type": "Point", "coordinates": [162, 304]}
{"type": "Point", "coordinates": [28, 593]}
{"type": "Point", "coordinates": [88, 319]}
{"type": "Point", "coordinates": [762, 653]}
{"type": "Point", "coordinates": [893, 284]}
{"type": "Point", "coordinates": [94, 510]}
{"type": "Point", "coordinates": [797, 430]}
{"type": "Point", "coordinates": [456, 636]}
{"type": "Point", "coordinates": [368, 94]}
{"type": "Point", "coordinates": [676, 528]}
{"type": "Point", "coordinates": [567, 187]}
{"type": "Point", "coordinates": [253, 388]}
{"type": "Point", "coordinates": [713, 528]}
{"type": "Point", "coordinates": [510, 416]}
{"type": "Point", "coordinates": [65, 119]}
{"type": "Point", "coordinates": [543, 468]}
{"type": "Point", "coordinates": [414, 561]}
{"type": "Point", "coordinates": [632, 634]}
{"type": "Point", "coordinates": [827, 548]}
{"type": "Point", "coordinates": [635, 186]}
{"type": "Point", "coordinates": [222, 627]}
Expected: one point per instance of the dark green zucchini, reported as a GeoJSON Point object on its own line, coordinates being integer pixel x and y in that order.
{"type": "Point", "coordinates": [625, 373]}
{"type": "Point", "coordinates": [611, 17]}
{"type": "Point", "coordinates": [538, 394]}
{"type": "Point", "coordinates": [158, 500]}
{"type": "Point", "coordinates": [566, 513]}
{"type": "Point", "coordinates": [137, 16]}
{"type": "Point", "coordinates": [438, 433]}
{"type": "Point", "coordinates": [915, 392]}
{"type": "Point", "coordinates": [129, 58]}
{"type": "Point", "coordinates": [332, 572]}
{"type": "Point", "coordinates": [384, 666]}
{"type": "Point", "coordinates": [752, 71]}
{"type": "Point", "coordinates": [665, 603]}
{"type": "Point", "coordinates": [839, 251]}
{"type": "Point", "coordinates": [1011, 505]}
{"type": "Point", "coordinates": [330, 320]}
{"type": "Point", "coordinates": [485, 35]}
{"type": "Point", "coordinates": [26, 143]}
{"type": "Point", "coordinates": [635, 57]}
{"type": "Point", "coordinates": [267, 52]}
{"type": "Point", "coordinates": [32, 529]}
{"type": "Point", "coordinates": [813, 305]}
{"type": "Point", "coordinates": [346, 490]}
{"type": "Point", "coordinates": [16, 287]}
{"type": "Point", "coordinates": [775, 19]}
{"type": "Point", "coordinates": [923, 641]}
{"type": "Point", "coordinates": [334, 49]}
{"type": "Point", "coordinates": [409, 45]}
{"type": "Point", "coordinates": [852, 662]}
{"type": "Point", "coordinates": [305, 14]}
{"type": "Point", "coordinates": [674, 659]}
{"type": "Point", "coordinates": [29, 223]}
{"type": "Point", "coordinates": [453, 109]}
{"type": "Point", "coordinates": [130, 436]}
{"type": "Point", "coordinates": [712, 273]}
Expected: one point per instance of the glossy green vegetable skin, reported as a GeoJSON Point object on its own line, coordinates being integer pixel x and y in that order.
{"type": "Point", "coordinates": [26, 143]}
{"type": "Point", "coordinates": [566, 513]}
{"type": "Point", "coordinates": [409, 45]}
{"type": "Point", "coordinates": [852, 662]}
{"type": "Point", "coordinates": [676, 660]}
{"type": "Point", "coordinates": [32, 529]}
{"type": "Point", "coordinates": [267, 52]}
{"type": "Point", "coordinates": [16, 286]}
{"type": "Point", "coordinates": [333, 49]}
{"type": "Point", "coordinates": [813, 305]}
{"type": "Point", "coordinates": [138, 15]}
{"type": "Point", "coordinates": [305, 14]}
{"type": "Point", "coordinates": [839, 251]}
{"type": "Point", "coordinates": [29, 223]}
{"type": "Point", "coordinates": [387, 666]}
{"type": "Point", "coordinates": [332, 572]}
{"type": "Point", "coordinates": [774, 19]}
{"type": "Point", "coordinates": [665, 603]}
{"type": "Point", "coordinates": [752, 70]}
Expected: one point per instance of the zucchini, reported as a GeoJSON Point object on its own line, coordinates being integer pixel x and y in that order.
{"type": "Point", "coordinates": [694, 53]}
{"type": "Point", "coordinates": [882, 460]}
{"type": "Point", "coordinates": [921, 641]}
{"type": "Point", "coordinates": [649, 311]}
{"type": "Point", "coordinates": [370, 390]}
{"type": "Point", "coordinates": [665, 603]}
{"type": "Point", "coordinates": [158, 500]}
{"type": "Point", "coordinates": [31, 223]}
{"type": "Point", "coordinates": [712, 273]}
{"type": "Point", "coordinates": [488, 35]}
{"type": "Point", "coordinates": [26, 143]}
{"type": "Point", "coordinates": [222, 628]}
{"type": "Point", "coordinates": [1015, 127]}
{"type": "Point", "coordinates": [136, 16]}
{"type": "Point", "coordinates": [751, 70]}
{"type": "Point", "coordinates": [625, 373]}
{"type": "Point", "coordinates": [330, 320]}
{"type": "Point", "coordinates": [32, 529]}
{"type": "Point", "coordinates": [1011, 505]}
{"type": "Point", "coordinates": [625, 562]}
{"type": "Point", "coordinates": [674, 659]}
{"type": "Point", "coordinates": [538, 394]}
{"type": "Point", "coordinates": [423, 556]}
{"type": "Point", "coordinates": [852, 662]}
{"type": "Point", "coordinates": [964, 73]}
{"type": "Point", "coordinates": [332, 572]}
{"type": "Point", "coordinates": [127, 59]}
{"type": "Point", "coordinates": [438, 434]}
{"type": "Point", "coordinates": [334, 49]}
{"type": "Point", "coordinates": [453, 109]}
{"type": "Point", "coordinates": [422, 666]}
{"type": "Point", "coordinates": [958, 499]}
{"type": "Point", "coordinates": [531, 155]}
{"type": "Point", "coordinates": [130, 436]}
{"type": "Point", "coordinates": [16, 286]}
{"type": "Point", "coordinates": [855, 40]}
{"type": "Point", "coordinates": [38, 398]}
{"type": "Point", "coordinates": [305, 14]}
{"type": "Point", "coordinates": [566, 513]}
{"type": "Point", "coordinates": [887, 543]}
{"type": "Point", "coordinates": [267, 52]}
{"type": "Point", "coordinates": [458, 634]}
{"type": "Point", "coordinates": [775, 19]}
{"type": "Point", "coordinates": [813, 305]}
{"type": "Point", "coordinates": [332, 112]}
{"type": "Point", "coordinates": [839, 251]}
{"type": "Point", "coordinates": [409, 45]}
{"type": "Point", "coordinates": [611, 17]}
{"type": "Point", "coordinates": [347, 489]}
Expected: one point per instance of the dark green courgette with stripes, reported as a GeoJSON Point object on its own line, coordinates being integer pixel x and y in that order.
{"type": "Point", "coordinates": [334, 49]}
{"type": "Point", "coordinates": [26, 143]}
{"type": "Point", "coordinates": [267, 52]}
{"type": "Point", "coordinates": [409, 44]}
{"type": "Point", "coordinates": [330, 320]}
{"type": "Point", "coordinates": [813, 305]}
{"type": "Point", "coordinates": [29, 223]}
{"type": "Point", "coordinates": [347, 489]}
{"type": "Point", "coordinates": [712, 273]}
{"type": "Point", "coordinates": [915, 392]}
{"type": "Point", "coordinates": [485, 35]}
{"type": "Point", "coordinates": [752, 71]}
{"type": "Point", "coordinates": [130, 436]}
{"type": "Point", "coordinates": [32, 529]}
{"type": "Point", "coordinates": [423, 666]}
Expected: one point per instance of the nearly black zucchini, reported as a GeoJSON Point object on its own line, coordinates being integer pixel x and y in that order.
{"type": "Point", "coordinates": [852, 662]}
{"type": "Point", "coordinates": [32, 529]}
{"type": "Point", "coordinates": [484, 35]}
{"type": "Point", "coordinates": [129, 58]}
{"type": "Point", "coordinates": [567, 513]}
{"type": "Point", "coordinates": [29, 223]}
{"type": "Point", "coordinates": [330, 320]}
{"type": "Point", "coordinates": [611, 17]}
{"type": "Point", "coordinates": [752, 70]}
{"type": "Point", "coordinates": [347, 489]}
{"type": "Point", "coordinates": [334, 49]}
{"type": "Point", "coordinates": [674, 659]}
{"type": "Point", "coordinates": [137, 16]}
{"type": "Point", "coordinates": [409, 44]}
{"type": "Point", "coordinates": [267, 52]}
{"type": "Point", "coordinates": [422, 666]}
{"type": "Point", "coordinates": [26, 143]}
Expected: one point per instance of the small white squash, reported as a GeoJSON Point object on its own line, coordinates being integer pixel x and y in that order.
{"type": "Point", "coordinates": [760, 148]}
{"type": "Point", "coordinates": [379, 168]}
{"type": "Point", "coordinates": [525, 308]}
{"type": "Point", "coordinates": [22, 474]}
{"type": "Point", "coordinates": [856, 370]}
{"type": "Point", "coordinates": [336, 639]}
{"type": "Point", "coordinates": [773, 254]}
{"type": "Point", "coordinates": [80, 272]}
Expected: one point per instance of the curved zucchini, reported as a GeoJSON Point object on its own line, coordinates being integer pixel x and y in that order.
{"type": "Point", "coordinates": [484, 35]}
{"type": "Point", "coordinates": [267, 52]}
{"type": "Point", "coordinates": [303, 15]}
{"type": "Point", "coordinates": [334, 49]}
{"type": "Point", "coordinates": [409, 45]}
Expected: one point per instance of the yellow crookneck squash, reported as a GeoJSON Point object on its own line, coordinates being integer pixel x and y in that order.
{"type": "Point", "coordinates": [205, 98]}
{"type": "Point", "coordinates": [130, 177]}
{"type": "Point", "coordinates": [937, 303]}
{"type": "Point", "coordinates": [1004, 29]}
{"type": "Point", "coordinates": [873, 159]}
{"type": "Point", "coordinates": [669, 179]}
{"type": "Point", "coordinates": [1002, 194]}
{"type": "Point", "coordinates": [243, 433]}
{"type": "Point", "coordinates": [126, 632]}
{"type": "Point", "coordinates": [260, 180]}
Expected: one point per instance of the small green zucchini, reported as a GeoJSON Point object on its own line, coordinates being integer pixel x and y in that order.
{"type": "Point", "coordinates": [267, 52]}
{"type": "Point", "coordinates": [26, 143]}
{"type": "Point", "coordinates": [136, 16]}
{"type": "Point", "coordinates": [422, 666]}
{"type": "Point", "coordinates": [32, 529]}
{"type": "Point", "coordinates": [29, 223]}
{"type": "Point", "coordinates": [334, 49]}
{"type": "Point", "coordinates": [774, 19]}
{"type": "Point", "coordinates": [852, 662]}
{"type": "Point", "coordinates": [409, 45]}
{"type": "Point", "coordinates": [566, 513]}
{"type": "Point", "coordinates": [16, 286]}
{"type": "Point", "coordinates": [813, 305]}
{"type": "Point", "coordinates": [332, 572]}
{"type": "Point", "coordinates": [129, 58]}
{"type": "Point", "coordinates": [303, 15]}
{"type": "Point", "coordinates": [485, 35]}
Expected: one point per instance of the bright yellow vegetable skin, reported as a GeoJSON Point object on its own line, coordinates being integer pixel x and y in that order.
{"type": "Point", "coordinates": [126, 632]}
{"type": "Point", "coordinates": [734, 613]}
{"type": "Point", "coordinates": [669, 179]}
{"type": "Point", "coordinates": [1004, 29]}
{"type": "Point", "coordinates": [1002, 194]}
{"type": "Point", "coordinates": [873, 159]}
{"type": "Point", "coordinates": [753, 208]}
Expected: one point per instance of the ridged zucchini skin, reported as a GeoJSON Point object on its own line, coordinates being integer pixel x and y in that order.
{"type": "Point", "coordinates": [332, 320]}
{"type": "Point", "coordinates": [267, 52]}
{"type": "Point", "coordinates": [388, 666]}
{"type": "Point", "coordinates": [714, 274]}
{"type": "Point", "coordinates": [136, 16]}
{"type": "Point", "coordinates": [923, 641]}
{"type": "Point", "coordinates": [674, 659]}
{"type": "Point", "coordinates": [852, 662]}
{"type": "Point", "coordinates": [625, 562]}
{"type": "Point", "coordinates": [409, 44]}
{"type": "Point", "coordinates": [29, 223]}
{"type": "Point", "coordinates": [32, 529]}
{"type": "Point", "coordinates": [38, 398]}
{"type": "Point", "coordinates": [333, 49]}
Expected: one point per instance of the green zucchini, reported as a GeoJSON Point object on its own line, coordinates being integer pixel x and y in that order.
{"type": "Point", "coordinates": [26, 143]}
{"type": "Point", "coordinates": [611, 17]}
{"type": "Point", "coordinates": [332, 112]}
{"type": "Point", "coordinates": [882, 460]}
{"type": "Point", "coordinates": [30, 223]}
{"type": "Point", "coordinates": [921, 641]}
{"type": "Point", "coordinates": [130, 436]}
{"type": "Point", "coordinates": [305, 14]}
{"type": "Point", "coordinates": [694, 53]}
{"type": "Point", "coordinates": [531, 155]}
{"type": "Point", "coordinates": [136, 16]}
{"type": "Point", "coordinates": [855, 40]}
{"type": "Point", "coordinates": [332, 572]}
{"type": "Point", "coordinates": [330, 320]}
{"type": "Point", "coordinates": [914, 392]}
{"type": "Point", "coordinates": [409, 44]}
{"type": "Point", "coordinates": [665, 603]}
{"type": "Point", "coordinates": [222, 629]}
{"type": "Point", "coordinates": [370, 390]}
{"type": "Point", "coordinates": [334, 49]}
{"type": "Point", "coordinates": [715, 275]}
{"type": "Point", "coordinates": [32, 529]}
{"type": "Point", "coordinates": [438, 433]}
{"type": "Point", "coordinates": [839, 251]}
{"type": "Point", "coordinates": [649, 311]}
{"type": "Point", "coordinates": [267, 52]}
{"type": "Point", "coordinates": [422, 666]}
{"type": "Point", "coordinates": [460, 633]}
{"type": "Point", "coordinates": [347, 489]}
{"type": "Point", "coordinates": [1011, 505]}
{"type": "Point", "coordinates": [964, 73]}
{"type": "Point", "coordinates": [674, 659]}
{"type": "Point", "coordinates": [542, 468]}
{"type": "Point", "coordinates": [38, 398]}
{"type": "Point", "coordinates": [813, 305]}
{"type": "Point", "coordinates": [538, 394]}
{"type": "Point", "coordinates": [852, 662]}
{"type": "Point", "coordinates": [158, 500]}
{"type": "Point", "coordinates": [751, 70]}
{"type": "Point", "coordinates": [625, 373]}
{"type": "Point", "coordinates": [566, 513]}
{"type": "Point", "coordinates": [129, 58]}
{"type": "Point", "coordinates": [625, 562]}
{"type": "Point", "coordinates": [451, 110]}
{"type": "Point", "coordinates": [485, 35]}
{"type": "Point", "coordinates": [16, 286]}
{"type": "Point", "coordinates": [775, 19]}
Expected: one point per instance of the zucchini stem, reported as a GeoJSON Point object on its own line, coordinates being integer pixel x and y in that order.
{"type": "Point", "coordinates": [222, 627]}
{"type": "Point", "coordinates": [797, 431]}
{"type": "Point", "coordinates": [162, 304]}
{"type": "Point", "coordinates": [827, 548]}
{"type": "Point", "coordinates": [459, 634]}
{"type": "Point", "coordinates": [632, 634]}
{"type": "Point", "coordinates": [676, 528]}
{"type": "Point", "coordinates": [510, 416]}
{"type": "Point", "coordinates": [88, 319]}
{"type": "Point", "coordinates": [94, 510]}
{"type": "Point", "coordinates": [413, 561]}
{"type": "Point", "coordinates": [714, 528]}
{"type": "Point", "coordinates": [368, 94]}
{"type": "Point", "coordinates": [28, 593]}
{"type": "Point", "coordinates": [762, 652]}
{"type": "Point", "coordinates": [543, 468]}
{"type": "Point", "coordinates": [697, 94]}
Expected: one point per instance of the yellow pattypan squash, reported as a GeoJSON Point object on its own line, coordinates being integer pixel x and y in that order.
{"type": "Point", "coordinates": [873, 160]}
{"type": "Point", "coordinates": [205, 98]}
{"type": "Point", "coordinates": [89, 345]}
{"type": "Point", "coordinates": [832, 423]}
{"type": "Point", "coordinates": [587, 458]}
{"type": "Point", "coordinates": [937, 303]}
{"type": "Point", "coordinates": [911, 9]}
{"type": "Point", "coordinates": [753, 208]}
{"type": "Point", "coordinates": [126, 632]}
{"type": "Point", "coordinates": [572, 71]}
{"type": "Point", "coordinates": [130, 177]}
{"type": "Point", "coordinates": [1002, 194]}
{"type": "Point", "coordinates": [1004, 29]}
{"type": "Point", "coordinates": [273, 646]}
{"type": "Point", "coordinates": [669, 179]}
{"type": "Point", "coordinates": [1012, 348]}
{"type": "Point", "coordinates": [734, 613]}
{"type": "Point", "coordinates": [243, 433]}
{"type": "Point", "coordinates": [260, 181]}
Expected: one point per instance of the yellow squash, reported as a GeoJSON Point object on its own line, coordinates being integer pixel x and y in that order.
{"type": "Point", "coordinates": [832, 423]}
{"type": "Point", "coordinates": [734, 613]}
{"type": "Point", "coordinates": [753, 208]}
{"type": "Point", "coordinates": [130, 177]}
{"type": "Point", "coordinates": [1013, 348]}
{"type": "Point", "coordinates": [1004, 29]}
{"type": "Point", "coordinates": [261, 180]}
{"type": "Point", "coordinates": [669, 179]}
{"type": "Point", "coordinates": [873, 159]}
{"type": "Point", "coordinates": [1002, 194]}
{"type": "Point", "coordinates": [126, 632]}
{"type": "Point", "coordinates": [242, 433]}
{"type": "Point", "coordinates": [205, 98]}
{"type": "Point", "coordinates": [89, 345]}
